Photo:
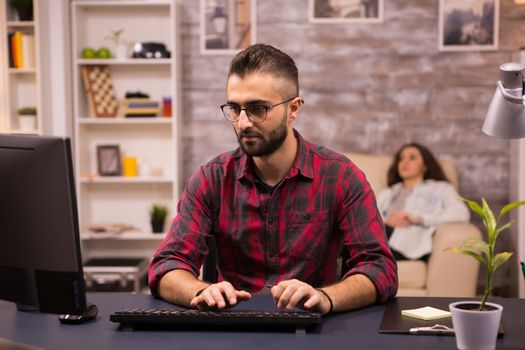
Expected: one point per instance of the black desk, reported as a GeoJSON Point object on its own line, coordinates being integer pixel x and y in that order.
{"type": "Point", "coordinates": [351, 330]}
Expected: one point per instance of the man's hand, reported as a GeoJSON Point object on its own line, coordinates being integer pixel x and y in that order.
{"type": "Point", "coordinates": [219, 296]}
{"type": "Point", "coordinates": [294, 293]}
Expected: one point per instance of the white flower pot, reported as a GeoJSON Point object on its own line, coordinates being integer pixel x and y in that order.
{"type": "Point", "coordinates": [475, 329]}
{"type": "Point", "coordinates": [121, 52]}
{"type": "Point", "coordinates": [27, 123]}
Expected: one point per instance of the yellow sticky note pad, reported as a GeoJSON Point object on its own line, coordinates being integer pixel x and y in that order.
{"type": "Point", "coordinates": [426, 313]}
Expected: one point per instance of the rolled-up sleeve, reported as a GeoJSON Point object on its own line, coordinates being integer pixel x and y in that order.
{"type": "Point", "coordinates": [185, 243]}
{"type": "Point", "coordinates": [364, 236]}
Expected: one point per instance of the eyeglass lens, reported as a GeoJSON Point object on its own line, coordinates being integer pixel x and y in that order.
{"type": "Point", "coordinates": [254, 112]}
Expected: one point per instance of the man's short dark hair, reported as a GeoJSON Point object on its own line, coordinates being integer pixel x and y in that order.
{"type": "Point", "coordinates": [262, 58]}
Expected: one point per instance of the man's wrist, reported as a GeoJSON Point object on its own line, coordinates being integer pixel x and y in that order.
{"type": "Point", "coordinates": [329, 299]}
{"type": "Point", "coordinates": [199, 292]}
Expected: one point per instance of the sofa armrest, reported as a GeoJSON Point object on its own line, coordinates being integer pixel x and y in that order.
{"type": "Point", "coordinates": [450, 273]}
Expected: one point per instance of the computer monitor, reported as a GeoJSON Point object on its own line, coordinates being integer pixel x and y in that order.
{"type": "Point", "coordinates": [40, 259]}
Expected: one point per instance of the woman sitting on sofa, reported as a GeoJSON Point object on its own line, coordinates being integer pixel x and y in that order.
{"type": "Point", "coordinates": [418, 199]}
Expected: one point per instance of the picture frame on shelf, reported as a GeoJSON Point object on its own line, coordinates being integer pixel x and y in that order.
{"type": "Point", "coordinates": [227, 26]}
{"type": "Point", "coordinates": [108, 160]}
{"type": "Point", "coordinates": [345, 11]}
{"type": "Point", "coordinates": [468, 25]}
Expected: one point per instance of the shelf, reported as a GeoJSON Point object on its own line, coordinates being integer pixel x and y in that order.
{"type": "Point", "coordinates": [22, 70]}
{"type": "Point", "coordinates": [152, 141]}
{"type": "Point", "coordinates": [125, 180]}
{"type": "Point", "coordinates": [24, 132]}
{"type": "Point", "coordinates": [20, 24]}
{"type": "Point", "coordinates": [146, 236]}
{"type": "Point", "coordinates": [129, 61]}
{"type": "Point", "coordinates": [127, 121]}
{"type": "Point", "coordinates": [24, 87]}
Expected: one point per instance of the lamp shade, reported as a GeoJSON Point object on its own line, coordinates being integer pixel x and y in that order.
{"type": "Point", "coordinates": [506, 115]}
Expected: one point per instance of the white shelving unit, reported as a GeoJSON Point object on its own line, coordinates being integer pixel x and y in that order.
{"type": "Point", "coordinates": [154, 141]}
{"type": "Point", "coordinates": [21, 87]}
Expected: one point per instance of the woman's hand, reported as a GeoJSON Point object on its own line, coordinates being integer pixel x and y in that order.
{"type": "Point", "coordinates": [400, 218]}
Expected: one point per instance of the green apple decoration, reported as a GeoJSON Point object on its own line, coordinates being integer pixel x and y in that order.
{"type": "Point", "coordinates": [103, 53]}
{"type": "Point", "coordinates": [89, 53]}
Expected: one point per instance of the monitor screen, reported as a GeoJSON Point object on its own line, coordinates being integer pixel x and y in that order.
{"type": "Point", "coordinates": [40, 260]}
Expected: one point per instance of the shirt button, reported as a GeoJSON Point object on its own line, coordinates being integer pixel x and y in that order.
{"type": "Point", "coordinates": [270, 221]}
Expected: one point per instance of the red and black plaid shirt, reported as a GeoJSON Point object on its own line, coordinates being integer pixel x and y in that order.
{"type": "Point", "coordinates": [295, 230]}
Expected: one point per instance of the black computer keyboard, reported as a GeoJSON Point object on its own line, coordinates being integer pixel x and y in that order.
{"type": "Point", "coordinates": [229, 319]}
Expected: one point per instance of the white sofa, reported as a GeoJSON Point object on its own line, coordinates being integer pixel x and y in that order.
{"type": "Point", "coordinates": [447, 274]}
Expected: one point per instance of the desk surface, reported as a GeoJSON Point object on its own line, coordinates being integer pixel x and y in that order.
{"type": "Point", "coordinates": [350, 330]}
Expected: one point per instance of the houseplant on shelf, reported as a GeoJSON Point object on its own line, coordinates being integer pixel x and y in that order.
{"type": "Point", "coordinates": [476, 323]}
{"type": "Point", "coordinates": [158, 215]}
{"type": "Point", "coordinates": [27, 119]}
{"type": "Point", "coordinates": [120, 45]}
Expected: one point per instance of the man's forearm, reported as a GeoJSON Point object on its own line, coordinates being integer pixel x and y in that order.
{"type": "Point", "coordinates": [353, 292]}
{"type": "Point", "coordinates": [179, 287]}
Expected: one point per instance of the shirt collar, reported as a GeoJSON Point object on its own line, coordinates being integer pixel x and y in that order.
{"type": "Point", "coordinates": [302, 164]}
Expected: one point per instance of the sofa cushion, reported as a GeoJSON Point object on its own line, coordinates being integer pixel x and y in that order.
{"type": "Point", "coordinates": [412, 273]}
{"type": "Point", "coordinates": [376, 167]}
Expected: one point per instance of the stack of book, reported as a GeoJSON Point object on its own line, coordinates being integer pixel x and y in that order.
{"type": "Point", "coordinates": [140, 107]}
{"type": "Point", "coordinates": [21, 50]}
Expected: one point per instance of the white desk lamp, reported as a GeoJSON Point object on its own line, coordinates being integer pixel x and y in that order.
{"type": "Point", "coordinates": [506, 115]}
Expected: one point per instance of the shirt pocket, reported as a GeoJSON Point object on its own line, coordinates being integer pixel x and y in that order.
{"type": "Point", "coordinates": [307, 234]}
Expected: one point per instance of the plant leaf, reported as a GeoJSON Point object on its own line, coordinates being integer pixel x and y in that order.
{"type": "Point", "coordinates": [509, 207]}
{"type": "Point", "coordinates": [471, 253]}
{"type": "Point", "coordinates": [500, 258]}
{"type": "Point", "coordinates": [501, 228]}
{"type": "Point", "coordinates": [474, 206]}
{"type": "Point", "coordinates": [490, 222]}
{"type": "Point", "coordinates": [483, 247]}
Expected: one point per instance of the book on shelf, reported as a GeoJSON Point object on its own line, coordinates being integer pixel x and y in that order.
{"type": "Point", "coordinates": [140, 107]}
{"type": "Point", "coordinates": [10, 49]}
{"type": "Point", "coordinates": [28, 50]}
{"type": "Point", "coordinates": [21, 50]}
{"type": "Point", "coordinates": [16, 41]}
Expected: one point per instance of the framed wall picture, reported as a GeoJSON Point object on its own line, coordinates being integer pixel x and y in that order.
{"type": "Point", "coordinates": [466, 25]}
{"type": "Point", "coordinates": [342, 11]}
{"type": "Point", "coordinates": [227, 26]}
{"type": "Point", "coordinates": [108, 160]}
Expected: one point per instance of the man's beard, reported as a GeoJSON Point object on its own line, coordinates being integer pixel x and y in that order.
{"type": "Point", "coordinates": [266, 144]}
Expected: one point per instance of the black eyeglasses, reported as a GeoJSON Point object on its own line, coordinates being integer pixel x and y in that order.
{"type": "Point", "coordinates": [256, 113]}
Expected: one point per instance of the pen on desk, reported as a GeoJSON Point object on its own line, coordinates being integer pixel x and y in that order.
{"type": "Point", "coordinates": [437, 329]}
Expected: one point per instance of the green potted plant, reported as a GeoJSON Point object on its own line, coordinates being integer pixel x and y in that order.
{"type": "Point", "coordinates": [24, 8]}
{"type": "Point", "coordinates": [158, 215]}
{"type": "Point", "coordinates": [27, 118]}
{"type": "Point", "coordinates": [120, 45]}
{"type": "Point", "coordinates": [476, 323]}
